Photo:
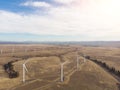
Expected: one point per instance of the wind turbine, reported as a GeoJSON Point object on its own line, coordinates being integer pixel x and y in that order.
{"type": "Point", "coordinates": [26, 50]}
{"type": "Point", "coordinates": [35, 50]}
{"type": "Point", "coordinates": [84, 58]}
{"type": "Point", "coordinates": [77, 62]}
{"type": "Point", "coordinates": [13, 50]}
{"type": "Point", "coordinates": [1, 51]}
{"type": "Point", "coordinates": [24, 70]}
{"type": "Point", "coordinates": [62, 71]}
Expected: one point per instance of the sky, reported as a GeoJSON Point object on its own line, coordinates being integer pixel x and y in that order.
{"type": "Point", "coordinates": [59, 20]}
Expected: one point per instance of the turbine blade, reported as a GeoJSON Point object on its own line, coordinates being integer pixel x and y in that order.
{"type": "Point", "coordinates": [26, 61]}
{"type": "Point", "coordinates": [25, 68]}
{"type": "Point", "coordinates": [64, 63]}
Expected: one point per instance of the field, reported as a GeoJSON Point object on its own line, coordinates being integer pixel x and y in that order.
{"type": "Point", "coordinates": [44, 67]}
{"type": "Point", "coordinates": [109, 55]}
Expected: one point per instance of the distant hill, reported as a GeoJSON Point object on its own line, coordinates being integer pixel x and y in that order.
{"type": "Point", "coordinates": [84, 43]}
{"type": "Point", "coordinates": [100, 43]}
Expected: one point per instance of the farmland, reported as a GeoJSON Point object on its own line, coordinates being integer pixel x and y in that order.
{"type": "Point", "coordinates": [44, 65]}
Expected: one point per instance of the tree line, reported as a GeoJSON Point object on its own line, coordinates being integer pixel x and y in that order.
{"type": "Point", "coordinates": [105, 66]}
{"type": "Point", "coordinates": [9, 69]}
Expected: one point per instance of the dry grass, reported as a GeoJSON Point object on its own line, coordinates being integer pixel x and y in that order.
{"type": "Point", "coordinates": [109, 55]}
{"type": "Point", "coordinates": [91, 77]}
{"type": "Point", "coordinates": [44, 65]}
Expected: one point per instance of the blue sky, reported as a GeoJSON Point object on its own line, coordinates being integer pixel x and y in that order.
{"type": "Point", "coordinates": [34, 37]}
{"type": "Point", "coordinates": [12, 5]}
{"type": "Point", "coordinates": [59, 20]}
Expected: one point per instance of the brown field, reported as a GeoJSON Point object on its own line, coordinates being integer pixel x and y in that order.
{"type": "Point", "coordinates": [109, 55]}
{"type": "Point", "coordinates": [44, 67]}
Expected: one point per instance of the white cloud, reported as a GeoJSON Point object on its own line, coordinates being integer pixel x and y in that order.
{"type": "Point", "coordinates": [36, 4]}
{"type": "Point", "coordinates": [95, 20]}
{"type": "Point", "coordinates": [64, 1]}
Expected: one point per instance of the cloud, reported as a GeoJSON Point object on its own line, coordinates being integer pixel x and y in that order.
{"type": "Point", "coordinates": [36, 4]}
{"type": "Point", "coordinates": [95, 20]}
{"type": "Point", "coordinates": [64, 1]}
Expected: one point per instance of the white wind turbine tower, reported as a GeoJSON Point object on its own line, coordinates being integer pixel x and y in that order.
{"type": "Point", "coordinates": [62, 71]}
{"type": "Point", "coordinates": [35, 50]}
{"type": "Point", "coordinates": [77, 61]}
{"type": "Point", "coordinates": [1, 51]}
{"type": "Point", "coordinates": [84, 58]}
{"type": "Point", "coordinates": [13, 50]}
{"type": "Point", "coordinates": [24, 70]}
{"type": "Point", "coordinates": [26, 50]}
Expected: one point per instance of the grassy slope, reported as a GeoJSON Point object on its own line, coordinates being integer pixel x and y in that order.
{"type": "Point", "coordinates": [109, 55]}
{"type": "Point", "coordinates": [90, 77]}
